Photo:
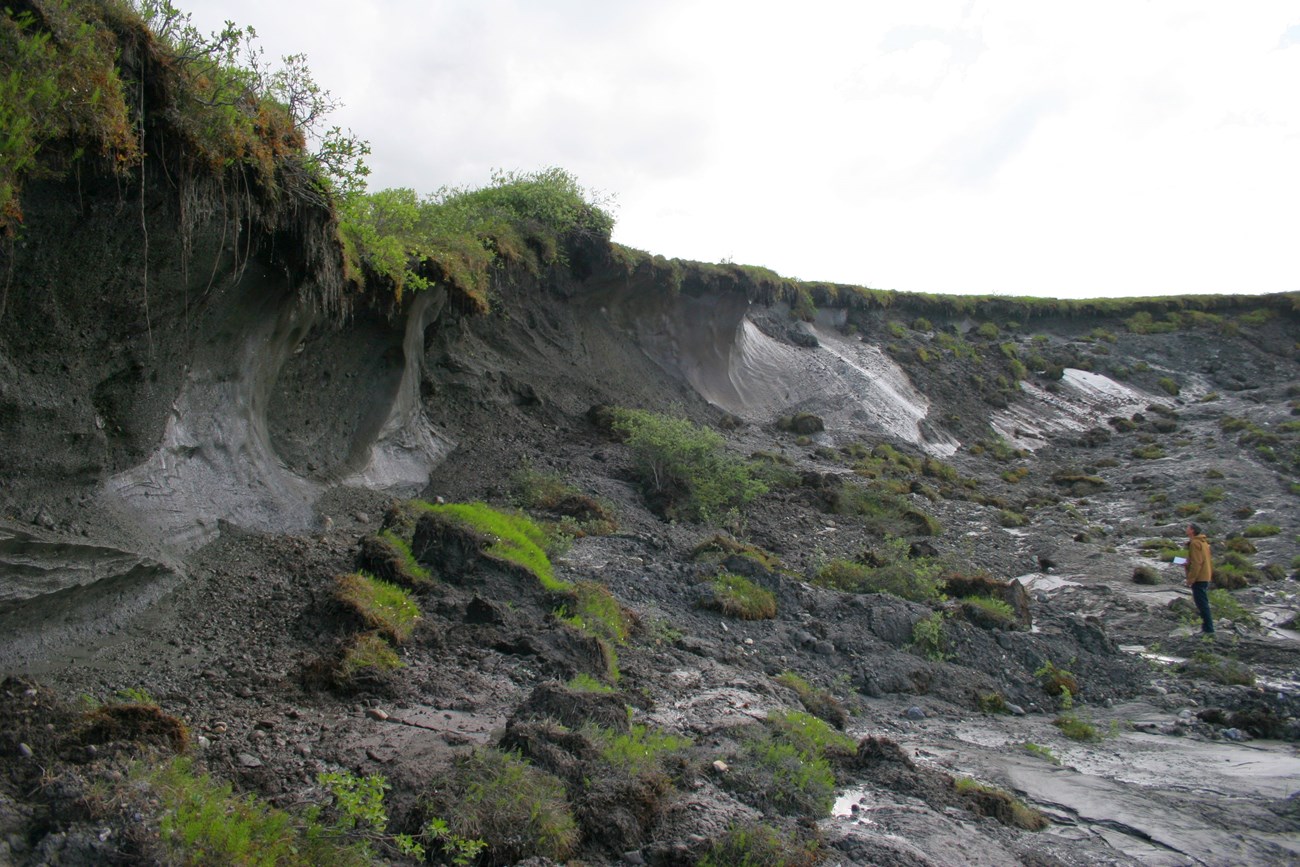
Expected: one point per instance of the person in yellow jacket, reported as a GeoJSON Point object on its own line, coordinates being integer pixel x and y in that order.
{"type": "Point", "coordinates": [1199, 572]}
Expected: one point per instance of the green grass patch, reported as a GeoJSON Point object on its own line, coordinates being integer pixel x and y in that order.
{"type": "Point", "coordinates": [1001, 805]}
{"type": "Point", "coordinates": [1077, 729]}
{"type": "Point", "coordinates": [515, 538]}
{"type": "Point", "coordinates": [917, 579]}
{"type": "Point", "coordinates": [819, 702]}
{"type": "Point", "coordinates": [583, 682]}
{"type": "Point", "coordinates": [381, 605]}
{"type": "Point", "coordinates": [753, 844]}
{"type": "Point", "coordinates": [365, 654]}
{"type": "Point", "coordinates": [576, 513]}
{"type": "Point", "coordinates": [639, 751]}
{"type": "Point", "coordinates": [517, 810]}
{"type": "Point", "coordinates": [204, 822]}
{"type": "Point", "coordinates": [1042, 752]}
{"type": "Point", "coordinates": [737, 596]}
{"type": "Point", "coordinates": [1261, 531]}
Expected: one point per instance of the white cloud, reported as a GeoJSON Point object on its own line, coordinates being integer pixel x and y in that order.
{"type": "Point", "coordinates": [972, 145]}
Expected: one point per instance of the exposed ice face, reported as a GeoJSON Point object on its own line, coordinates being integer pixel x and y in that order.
{"type": "Point", "coordinates": [216, 461]}
{"type": "Point", "coordinates": [1085, 400]}
{"type": "Point", "coordinates": [852, 385]}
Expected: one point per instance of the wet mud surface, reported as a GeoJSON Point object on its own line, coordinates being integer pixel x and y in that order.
{"type": "Point", "coordinates": [187, 544]}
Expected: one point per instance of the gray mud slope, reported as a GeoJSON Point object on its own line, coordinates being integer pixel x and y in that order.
{"type": "Point", "coordinates": [190, 460]}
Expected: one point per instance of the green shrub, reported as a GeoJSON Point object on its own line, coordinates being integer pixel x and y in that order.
{"type": "Point", "coordinates": [817, 701]}
{"type": "Point", "coordinates": [460, 232]}
{"type": "Point", "coordinates": [812, 736]}
{"type": "Point", "coordinates": [1077, 729]}
{"type": "Point", "coordinates": [928, 638]}
{"type": "Point", "coordinates": [1149, 452]}
{"type": "Point", "coordinates": [684, 468]}
{"type": "Point", "coordinates": [204, 822]}
{"type": "Point", "coordinates": [1146, 575]}
{"type": "Point", "coordinates": [516, 538]}
{"type": "Point", "coordinates": [1057, 681]}
{"type": "Point", "coordinates": [988, 331]}
{"type": "Point", "coordinates": [737, 596]}
{"type": "Point", "coordinates": [777, 775]}
{"type": "Point", "coordinates": [641, 750]}
{"type": "Point", "coordinates": [1224, 607]}
{"type": "Point", "coordinates": [755, 845]}
{"type": "Point", "coordinates": [381, 605]}
{"type": "Point", "coordinates": [1169, 385]}
{"type": "Point", "coordinates": [1260, 531]}
{"type": "Point", "coordinates": [916, 579]}
{"type": "Point", "coordinates": [518, 810]}
{"type": "Point", "coordinates": [993, 702]}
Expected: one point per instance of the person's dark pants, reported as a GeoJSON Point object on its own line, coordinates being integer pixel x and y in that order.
{"type": "Point", "coordinates": [1201, 596]}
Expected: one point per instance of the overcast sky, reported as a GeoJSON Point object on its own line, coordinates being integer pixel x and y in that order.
{"type": "Point", "coordinates": [1063, 149]}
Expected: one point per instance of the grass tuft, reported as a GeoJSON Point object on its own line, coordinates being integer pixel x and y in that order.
{"type": "Point", "coordinates": [381, 605]}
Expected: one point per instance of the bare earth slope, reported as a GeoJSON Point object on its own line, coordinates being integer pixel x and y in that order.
{"type": "Point", "coordinates": [183, 482]}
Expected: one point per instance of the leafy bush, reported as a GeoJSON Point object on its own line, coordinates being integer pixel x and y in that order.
{"type": "Point", "coordinates": [1220, 669]}
{"type": "Point", "coordinates": [1260, 531]}
{"type": "Point", "coordinates": [456, 234]}
{"type": "Point", "coordinates": [928, 637]}
{"type": "Point", "coordinates": [1148, 452]}
{"type": "Point", "coordinates": [737, 596]}
{"type": "Point", "coordinates": [1224, 607]}
{"type": "Point", "coordinates": [1057, 681]}
{"type": "Point", "coordinates": [684, 468]}
{"type": "Point", "coordinates": [381, 605]}
{"type": "Point", "coordinates": [1169, 385]}
{"type": "Point", "coordinates": [518, 810]}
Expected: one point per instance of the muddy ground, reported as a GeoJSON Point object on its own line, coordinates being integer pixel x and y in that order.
{"type": "Point", "coordinates": [208, 482]}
